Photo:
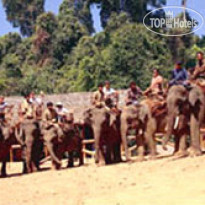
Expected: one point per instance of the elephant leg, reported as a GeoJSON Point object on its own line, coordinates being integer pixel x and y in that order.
{"type": "Point", "coordinates": [80, 151]}
{"type": "Point", "coordinates": [25, 171]}
{"type": "Point", "coordinates": [55, 160]}
{"type": "Point", "coordinates": [70, 160]}
{"type": "Point", "coordinates": [117, 153]}
{"type": "Point", "coordinates": [177, 142]}
{"type": "Point", "coordinates": [151, 144]}
{"type": "Point", "coordinates": [98, 153]}
{"type": "Point", "coordinates": [37, 153]}
{"type": "Point", "coordinates": [3, 169]}
{"type": "Point", "coordinates": [124, 130]}
{"type": "Point", "coordinates": [140, 147]}
{"type": "Point", "coordinates": [149, 137]}
{"type": "Point", "coordinates": [28, 160]}
{"type": "Point", "coordinates": [195, 149]}
{"type": "Point", "coordinates": [107, 153]}
{"type": "Point", "coordinates": [181, 152]}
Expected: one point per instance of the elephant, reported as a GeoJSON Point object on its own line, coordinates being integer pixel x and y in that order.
{"type": "Point", "coordinates": [197, 113]}
{"type": "Point", "coordinates": [106, 128]}
{"type": "Point", "coordinates": [149, 117]}
{"type": "Point", "coordinates": [178, 116]}
{"type": "Point", "coordinates": [7, 139]}
{"type": "Point", "coordinates": [138, 117]}
{"type": "Point", "coordinates": [59, 139]}
{"type": "Point", "coordinates": [186, 107]}
{"type": "Point", "coordinates": [28, 135]}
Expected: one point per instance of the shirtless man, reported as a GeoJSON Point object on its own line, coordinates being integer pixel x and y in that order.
{"type": "Point", "coordinates": [156, 86]}
{"type": "Point", "coordinates": [199, 71]}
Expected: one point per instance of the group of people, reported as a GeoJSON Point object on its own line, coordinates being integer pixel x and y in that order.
{"type": "Point", "coordinates": [108, 97]}
{"type": "Point", "coordinates": [34, 107]}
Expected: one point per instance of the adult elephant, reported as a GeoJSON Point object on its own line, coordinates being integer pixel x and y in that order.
{"type": "Point", "coordinates": [59, 139]}
{"type": "Point", "coordinates": [148, 118]}
{"type": "Point", "coordinates": [28, 134]}
{"type": "Point", "coordinates": [106, 128]}
{"type": "Point", "coordinates": [7, 138]}
{"type": "Point", "coordinates": [139, 118]}
{"type": "Point", "coordinates": [185, 106]}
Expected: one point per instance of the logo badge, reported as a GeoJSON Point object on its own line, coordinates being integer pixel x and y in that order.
{"type": "Point", "coordinates": [173, 21]}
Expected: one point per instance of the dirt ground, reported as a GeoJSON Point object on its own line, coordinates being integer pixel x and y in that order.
{"type": "Point", "coordinates": [162, 181]}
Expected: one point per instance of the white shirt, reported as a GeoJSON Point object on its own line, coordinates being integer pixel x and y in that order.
{"type": "Point", "coordinates": [108, 92]}
{"type": "Point", "coordinates": [3, 106]}
{"type": "Point", "coordinates": [62, 111]}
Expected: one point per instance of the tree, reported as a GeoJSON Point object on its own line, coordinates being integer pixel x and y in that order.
{"type": "Point", "coordinates": [136, 9]}
{"type": "Point", "coordinates": [74, 21]}
{"type": "Point", "coordinates": [179, 44]}
{"type": "Point", "coordinates": [44, 37]}
{"type": "Point", "coordinates": [23, 13]}
{"type": "Point", "coordinates": [128, 53]}
{"type": "Point", "coordinates": [9, 43]}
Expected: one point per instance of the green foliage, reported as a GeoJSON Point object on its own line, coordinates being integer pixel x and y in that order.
{"type": "Point", "coordinates": [9, 43]}
{"type": "Point", "coordinates": [61, 53]}
{"type": "Point", "coordinates": [129, 53]}
{"type": "Point", "coordinates": [179, 44]}
{"type": "Point", "coordinates": [136, 9]}
{"type": "Point", "coordinates": [23, 13]}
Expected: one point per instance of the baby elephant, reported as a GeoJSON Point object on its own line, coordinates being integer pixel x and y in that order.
{"type": "Point", "coordinates": [63, 138]}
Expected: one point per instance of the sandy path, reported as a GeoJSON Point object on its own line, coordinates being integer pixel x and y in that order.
{"type": "Point", "coordinates": [164, 181]}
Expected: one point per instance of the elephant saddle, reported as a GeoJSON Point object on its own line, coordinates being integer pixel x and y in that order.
{"type": "Point", "coordinates": [158, 108]}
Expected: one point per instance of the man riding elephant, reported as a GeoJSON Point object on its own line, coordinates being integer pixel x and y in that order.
{"type": "Point", "coordinates": [111, 96]}
{"type": "Point", "coordinates": [156, 87]}
{"type": "Point", "coordinates": [179, 75]}
{"type": "Point", "coordinates": [60, 136]}
{"type": "Point", "coordinates": [194, 100]}
{"type": "Point", "coordinates": [133, 94]}
{"type": "Point", "coordinates": [199, 71]}
{"type": "Point", "coordinates": [98, 97]}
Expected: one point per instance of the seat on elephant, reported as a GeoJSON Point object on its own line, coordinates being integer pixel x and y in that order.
{"type": "Point", "coordinates": [157, 107]}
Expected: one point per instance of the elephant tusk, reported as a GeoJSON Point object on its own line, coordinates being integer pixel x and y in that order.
{"type": "Point", "coordinates": [176, 123]}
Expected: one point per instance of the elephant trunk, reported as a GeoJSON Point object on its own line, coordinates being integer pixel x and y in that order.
{"type": "Point", "coordinates": [50, 148]}
{"type": "Point", "coordinates": [170, 125]}
{"type": "Point", "coordinates": [19, 136]}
